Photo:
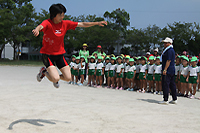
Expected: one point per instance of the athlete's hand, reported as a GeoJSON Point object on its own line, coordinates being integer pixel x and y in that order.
{"type": "Point", "coordinates": [35, 32]}
{"type": "Point", "coordinates": [102, 23]}
{"type": "Point", "coordinates": [153, 78]}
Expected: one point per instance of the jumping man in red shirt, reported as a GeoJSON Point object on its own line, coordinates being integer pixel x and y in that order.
{"type": "Point", "coordinates": [52, 51]}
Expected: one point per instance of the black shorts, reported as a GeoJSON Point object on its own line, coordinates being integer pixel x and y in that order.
{"type": "Point", "coordinates": [54, 60]}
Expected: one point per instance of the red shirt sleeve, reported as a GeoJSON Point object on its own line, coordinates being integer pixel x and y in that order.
{"type": "Point", "coordinates": [70, 24]}
{"type": "Point", "coordinates": [45, 24]}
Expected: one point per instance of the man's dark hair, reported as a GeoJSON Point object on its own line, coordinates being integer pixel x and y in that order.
{"type": "Point", "coordinates": [56, 9]}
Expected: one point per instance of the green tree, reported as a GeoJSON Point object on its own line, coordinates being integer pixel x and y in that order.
{"type": "Point", "coordinates": [20, 21]}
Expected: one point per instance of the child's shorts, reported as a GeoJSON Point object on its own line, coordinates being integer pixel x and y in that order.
{"type": "Point", "coordinates": [72, 71]}
{"type": "Point", "coordinates": [183, 79]}
{"type": "Point", "coordinates": [125, 74]}
{"type": "Point", "coordinates": [91, 72]}
{"type": "Point", "coordinates": [193, 79]}
{"type": "Point", "coordinates": [120, 76]}
{"type": "Point", "coordinates": [112, 73]}
{"type": "Point", "coordinates": [99, 72]}
{"type": "Point", "coordinates": [150, 77]}
{"type": "Point", "coordinates": [141, 76]}
{"type": "Point", "coordinates": [157, 77]}
{"type": "Point", "coordinates": [106, 74]}
{"type": "Point", "coordinates": [130, 75]}
{"type": "Point", "coordinates": [76, 72]}
{"type": "Point", "coordinates": [81, 71]}
{"type": "Point", "coordinates": [137, 76]}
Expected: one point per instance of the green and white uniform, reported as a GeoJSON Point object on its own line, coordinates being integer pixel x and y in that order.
{"type": "Point", "coordinates": [92, 67]}
{"type": "Point", "coordinates": [150, 69]}
{"type": "Point", "coordinates": [76, 66]}
{"type": "Point", "coordinates": [137, 71]}
{"type": "Point", "coordinates": [107, 66]}
{"type": "Point", "coordinates": [183, 71]}
{"type": "Point", "coordinates": [125, 69]}
{"type": "Point", "coordinates": [120, 67]}
{"type": "Point", "coordinates": [71, 65]}
{"type": "Point", "coordinates": [130, 71]}
{"type": "Point", "coordinates": [157, 72]}
{"type": "Point", "coordinates": [143, 69]}
{"type": "Point", "coordinates": [99, 68]}
{"type": "Point", "coordinates": [177, 68]}
{"type": "Point", "coordinates": [81, 69]}
{"type": "Point", "coordinates": [194, 72]}
{"type": "Point", "coordinates": [112, 70]}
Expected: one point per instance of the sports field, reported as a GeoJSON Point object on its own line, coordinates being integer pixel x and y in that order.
{"type": "Point", "coordinates": [27, 106]}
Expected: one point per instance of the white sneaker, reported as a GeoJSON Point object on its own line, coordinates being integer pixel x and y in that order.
{"type": "Point", "coordinates": [41, 75]}
{"type": "Point", "coordinates": [164, 102]}
{"type": "Point", "coordinates": [173, 102]}
{"type": "Point", "coordinates": [56, 85]}
{"type": "Point", "coordinates": [72, 83]}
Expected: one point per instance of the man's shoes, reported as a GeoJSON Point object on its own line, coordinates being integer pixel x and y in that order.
{"type": "Point", "coordinates": [164, 102]}
{"type": "Point", "coordinates": [173, 102]}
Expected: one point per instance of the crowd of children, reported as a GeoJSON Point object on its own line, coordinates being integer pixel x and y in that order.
{"type": "Point", "coordinates": [135, 74]}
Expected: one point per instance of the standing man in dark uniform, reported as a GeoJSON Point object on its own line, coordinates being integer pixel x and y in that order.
{"type": "Point", "coordinates": [168, 71]}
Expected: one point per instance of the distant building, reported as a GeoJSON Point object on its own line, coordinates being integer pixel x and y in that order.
{"type": "Point", "coordinates": [8, 52]}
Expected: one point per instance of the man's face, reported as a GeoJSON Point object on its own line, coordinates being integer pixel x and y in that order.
{"type": "Point", "coordinates": [166, 44]}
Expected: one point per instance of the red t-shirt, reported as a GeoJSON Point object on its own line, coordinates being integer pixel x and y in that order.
{"type": "Point", "coordinates": [53, 39]}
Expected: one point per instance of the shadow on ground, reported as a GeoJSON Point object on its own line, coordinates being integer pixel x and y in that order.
{"type": "Point", "coordinates": [149, 100]}
{"type": "Point", "coordinates": [36, 122]}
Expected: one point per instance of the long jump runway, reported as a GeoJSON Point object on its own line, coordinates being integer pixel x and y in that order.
{"type": "Point", "coordinates": [27, 106]}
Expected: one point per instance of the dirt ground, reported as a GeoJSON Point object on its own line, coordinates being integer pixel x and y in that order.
{"type": "Point", "coordinates": [27, 106]}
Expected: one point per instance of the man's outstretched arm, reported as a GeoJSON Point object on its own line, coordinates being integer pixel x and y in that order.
{"type": "Point", "coordinates": [90, 24]}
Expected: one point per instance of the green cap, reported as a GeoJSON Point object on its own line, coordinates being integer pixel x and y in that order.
{"type": "Point", "coordinates": [100, 58]}
{"type": "Point", "coordinates": [78, 58]}
{"type": "Point", "coordinates": [113, 58]}
{"type": "Point", "coordinates": [139, 57]}
{"type": "Point", "coordinates": [151, 58]}
{"type": "Point", "coordinates": [107, 58]}
{"type": "Point", "coordinates": [131, 60]}
{"type": "Point", "coordinates": [182, 56]}
{"type": "Point", "coordinates": [145, 58]}
{"type": "Point", "coordinates": [185, 58]}
{"type": "Point", "coordinates": [119, 57]}
{"type": "Point", "coordinates": [92, 57]}
{"type": "Point", "coordinates": [158, 57]}
{"type": "Point", "coordinates": [194, 59]}
{"type": "Point", "coordinates": [73, 56]}
{"type": "Point", "coordinates": [82, 57]}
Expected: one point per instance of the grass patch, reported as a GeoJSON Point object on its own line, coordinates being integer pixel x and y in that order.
{"type": "Point", "coordinates": [20, 63]}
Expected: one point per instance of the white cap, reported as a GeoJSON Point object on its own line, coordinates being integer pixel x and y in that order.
{"type": "Point", "coordinates": [148, 53]}
{"type": "Point", "coordinates": [167, 39]}
{"type": "Point", "coordinates": [156, 49]}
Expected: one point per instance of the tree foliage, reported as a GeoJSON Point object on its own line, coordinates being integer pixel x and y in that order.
{"type": "Point", "coordinates": [18, 18]}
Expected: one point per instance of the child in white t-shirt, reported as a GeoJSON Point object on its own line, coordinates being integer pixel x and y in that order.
{"type": "Point", "coordinates": [183, 76]}
{"type": "Point", "coordinates": [99, 72]}
{"type": "Point", "coordinates": [157, 76]}
{"type": "Point", "coordinates": [193, 77]}
{"type": "Point", "coordinates": [72, 70]}
{"type": "Point", "coordinates": [111, 73]}
{"type": "Point", "coordinates": [119, 73]}
{"type": "Point", "coordinates": [142, 74]}
{"type": "Point", "coordinates": [82, 69]}
{"type": "Point", "coordinates": [131, 72]}
{"type": "Point", "coordinates": [150, 69]}
{"type": "Point", "coordinates": [91, 71]}
{"type": "Point", "coordinates": [107, 66]}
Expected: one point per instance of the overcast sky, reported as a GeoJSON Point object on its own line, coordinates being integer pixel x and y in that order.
{"type": "Point", "coordinates": [142, 12]}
